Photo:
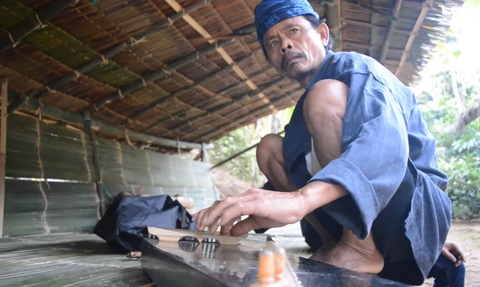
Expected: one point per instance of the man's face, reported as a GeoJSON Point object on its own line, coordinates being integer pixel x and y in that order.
{"type": "Point", "coordinates": [295, 48]}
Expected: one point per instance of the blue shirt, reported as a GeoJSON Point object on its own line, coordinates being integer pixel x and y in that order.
{"type": "Point", "coordinates": [383, 131]}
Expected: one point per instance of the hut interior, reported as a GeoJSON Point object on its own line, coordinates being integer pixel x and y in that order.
{"type": "Point", "coordinates": [101, 96]}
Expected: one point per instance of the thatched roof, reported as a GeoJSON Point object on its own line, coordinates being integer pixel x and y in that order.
{"type": "Point", "coordinates": [192, 75]}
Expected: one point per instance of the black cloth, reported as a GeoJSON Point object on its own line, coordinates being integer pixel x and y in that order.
{"type": "Point", "coordinates": [124, 224]}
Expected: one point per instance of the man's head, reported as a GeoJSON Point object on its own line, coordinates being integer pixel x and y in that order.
{"type": "Point", "coordinates": [292, 36]}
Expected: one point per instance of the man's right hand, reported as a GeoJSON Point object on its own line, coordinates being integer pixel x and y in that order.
{"type": "Point", "coordinates": [454, 253]}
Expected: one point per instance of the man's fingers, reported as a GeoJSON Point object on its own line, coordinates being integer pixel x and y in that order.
{"type": "Point", "coordinates": [225, 229]}
{"type": "Point", "coordinates": [244, 226]}
{"type": "Point", "coordinates": [450, 256]}
{"type": "Point", "coordinates": [215, 212]}
{"type": "Point", "coordinates": [459, 251]}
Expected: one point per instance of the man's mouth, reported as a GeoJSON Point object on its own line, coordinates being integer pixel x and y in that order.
{"type": "Point", "coordinates": [287, 61]}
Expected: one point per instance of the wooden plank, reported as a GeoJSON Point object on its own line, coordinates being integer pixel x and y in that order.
{"type": "Point", "coordinates": [3, 150]}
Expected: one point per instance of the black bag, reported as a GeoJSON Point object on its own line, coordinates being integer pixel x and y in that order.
{"type": "Point", "coordinates": [124, 224]}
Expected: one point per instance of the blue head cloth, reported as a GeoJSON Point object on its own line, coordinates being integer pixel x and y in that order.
{"type": "Point", "coordinates": [271, 12]}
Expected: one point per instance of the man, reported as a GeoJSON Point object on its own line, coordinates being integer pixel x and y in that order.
{"type": "Point", "coordinates": [356, 161]}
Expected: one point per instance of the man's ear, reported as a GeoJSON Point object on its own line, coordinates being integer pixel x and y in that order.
{"type": "Point", "coordinates": [324, 33]}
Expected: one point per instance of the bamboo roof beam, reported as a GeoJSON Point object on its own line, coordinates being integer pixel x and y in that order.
{"type": "Point", "coordinates": [17, 103]}
{"type": "Point", "coordinates": [222, 107]}
{"type": "Point", "coordinates": [373, 26]}
{"type": "Point", "coordinates": [391, 29]}
{"type": "Point", "coordinates": [242, 117]}
{"type": "Point", "coordinates": [177, 7]}
{"type": "Point", "coordinates": [362, 45]}
{"type": "Point", "coordinates": [427, 5]}
{"type": "Point", "coordinates": [366, 7]}
{"type": "Point", "coordinates": [202, 104]}
{"type": "Point", "coordinates": [37, 21]}
{"type": "Point", "coordinates": [186, 89]}
{"type": "Point", "coordinates": [77, 119]}
{"type": "Point", "coordinates": [155, 75]}
{"type": "Point", "coordinates": [335, 23]}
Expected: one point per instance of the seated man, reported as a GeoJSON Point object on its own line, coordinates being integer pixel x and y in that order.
{"type": "Point", "coordinates": [356, 161]}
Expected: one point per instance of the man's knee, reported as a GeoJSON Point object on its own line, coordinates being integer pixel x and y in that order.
{"type": "Point", "coordinates": [326, 100]}
{"type": "Point", "coordinates": [268, 148]}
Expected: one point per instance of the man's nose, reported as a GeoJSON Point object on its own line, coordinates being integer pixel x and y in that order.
{"type": "Point", "coordinates": [287, 46]}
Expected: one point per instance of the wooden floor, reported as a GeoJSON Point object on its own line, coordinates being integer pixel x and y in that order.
{"type": "Point", "coordinates": [70, 259]}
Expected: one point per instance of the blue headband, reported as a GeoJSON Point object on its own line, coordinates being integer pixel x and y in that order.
{"type": "Point", "coordinates": [271, 12]}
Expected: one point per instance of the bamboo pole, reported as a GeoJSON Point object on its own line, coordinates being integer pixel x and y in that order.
{"type": "Point", "coordinates": [423, 14]}
{"type": "Point", "coordinates": [391, 30]}
{"type": "Point", "coordinates": [200, 105]}
{"type": "Point", "coordinates": [373, 26]}
{"type": "Point", "coordinates": [43, 15]}
{"type": "Point", "coordinates": [76, 119]}
{"type": "Point", "coordinates": [335, 22]}
{"type": "Point", "coordinates": [226, 57]}
{"type": "Point", "coordinates": [155, 75]}
{"type": "Point", "coordinates": [182, 91]}
{"type": "Point", "coordinates": [242, 117]}
{"type": "Point", "coordinates": [238, 154]}
{"type": "Point", "coordinates": [3, 151]}
{"type": "Point", "coordinates": [227, 105]}
{"type": "Point", "coordinates": [18, 102]}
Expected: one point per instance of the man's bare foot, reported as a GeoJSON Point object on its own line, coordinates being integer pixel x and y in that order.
{"type": "Point", "coordinates": [349, 257]}
{"type": "Point", "coordinates": [353, 254]}
{"type": "Point", "coordinates": [320, 254]}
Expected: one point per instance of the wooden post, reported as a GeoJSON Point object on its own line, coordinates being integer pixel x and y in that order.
{"type": "Point", "coordinates": [3, 151]}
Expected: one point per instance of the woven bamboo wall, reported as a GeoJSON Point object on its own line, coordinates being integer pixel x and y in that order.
{"type": "Point", "coordinates": [39, 150]}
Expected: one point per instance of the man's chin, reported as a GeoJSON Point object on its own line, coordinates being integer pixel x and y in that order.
{"type": "Point", "coordinates": [295, 74]}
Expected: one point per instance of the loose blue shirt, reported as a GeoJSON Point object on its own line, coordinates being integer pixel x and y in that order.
{"type": "Point", "coordinates": [383, 131]}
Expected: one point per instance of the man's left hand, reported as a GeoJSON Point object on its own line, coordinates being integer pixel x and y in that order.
{"type": "Point", "coordinates": [454, 253]}
{"type": "Point", "coordinates": [266, 209]}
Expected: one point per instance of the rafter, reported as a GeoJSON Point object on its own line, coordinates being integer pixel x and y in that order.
{"type": "Point", "coordinates": [199, 106]}
{"type": "Point", "coordinates": [391, 30]}
{"type": "Point", "coordinates": [108, 55]}
{"type": "Point", "coordinates": [36, 21]}
{"type": "Point", "coordinates": [252, 112]}
{"type": "Point", "coordinates": [184, 90]}
{"type": "Point", "coordinates": [222, 107]}
{"type": "Point", "coordinates": [155, 75]}
{"type": "Point", "coordinates": [427, 5]}
{"type": "Point", "coordinates": [177, 7]}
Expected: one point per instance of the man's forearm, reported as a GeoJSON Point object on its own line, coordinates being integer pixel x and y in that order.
{"type": "Point", "coordinates": [318, 193]}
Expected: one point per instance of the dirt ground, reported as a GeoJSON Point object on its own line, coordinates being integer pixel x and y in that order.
{"type": "Point", "coordinates": [466, 234]}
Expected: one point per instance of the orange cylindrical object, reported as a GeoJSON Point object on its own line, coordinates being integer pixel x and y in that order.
{"type": "Point", "coordinates": [266, 267]}
{"type": "Point", "coordinates": [279, 265]}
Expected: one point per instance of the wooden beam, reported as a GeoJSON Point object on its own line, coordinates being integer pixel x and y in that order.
{"type": "Point", "coordinates": [373, 26]}
{"type": "Point", "coordinates": [155, 75]}
{"type": "Point", "coordinates": [3, 150]}
{"type": "Point", "coordinates": [18, 102]}
{"type": "Point", "coordinates": [185, 89]}
{"type": "Point", "coordinates": [195, 25]}
{"type": "Point", "coordinates": [427, 5]}
{"type": "Point", "coordinates": [202, 103]}
{"type": "Point", "coordinates": [252, 112]}
{"type": "Point", "coordinates": [76, 119]}
{"type": "Point", "coordinates": [43, 15]}
{"type": "Point", "coordinates": [220, 108]}
{"type": "Point", "coordinates": [391, 30]}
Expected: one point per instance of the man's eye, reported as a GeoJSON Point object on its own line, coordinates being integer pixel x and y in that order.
{"type": "Point", "coordinates": [294, 30]}
{"type": "Point", "coordinates": [273, 43]}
